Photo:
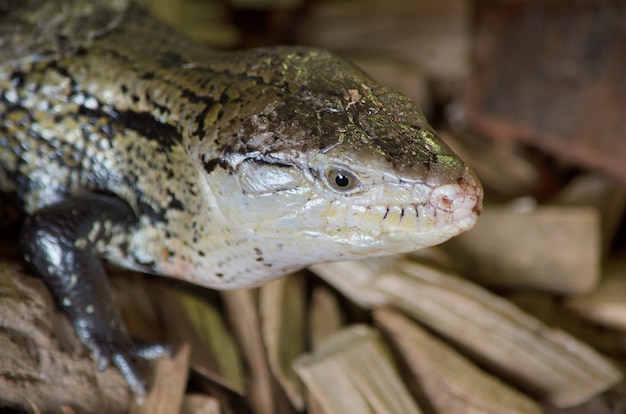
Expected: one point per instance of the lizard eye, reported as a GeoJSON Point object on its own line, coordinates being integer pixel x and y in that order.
{"type": "Point", "coordinates": [341, 180]}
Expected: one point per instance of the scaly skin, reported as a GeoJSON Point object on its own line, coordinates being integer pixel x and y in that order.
{"type": "Point", "coordinates": [222, 169]}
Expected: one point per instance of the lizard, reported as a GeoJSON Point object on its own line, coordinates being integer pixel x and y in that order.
{"type": "Point", "coordinates": [122, 140]}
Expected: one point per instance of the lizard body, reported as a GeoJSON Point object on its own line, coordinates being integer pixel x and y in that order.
{"type": "Point", "coordinates": [123, 140]}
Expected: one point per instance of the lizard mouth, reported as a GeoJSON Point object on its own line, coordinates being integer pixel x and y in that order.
{"type": "Point", "coordinates": [444, 212]}
{"type": "Point", "coordinates": [450, 210]}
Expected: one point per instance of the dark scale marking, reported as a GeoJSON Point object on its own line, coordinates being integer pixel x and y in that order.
{"type": "Point", "coordinates": [200, 121]}
{"type": "Point", "coordinates": [141, 122]}
{"type": "Point", "coordinates": [195, 98]}
{"type": "Point", "coordinates": [210, 165]}
{"type": "Point", "coordinates": [146, 125]}
{"type": "Point", "coordinates": [154, 214]}
{"type": "Point", "coordinates": [224, 99]}
{"type": "Point", "coordinates": [175, 203]}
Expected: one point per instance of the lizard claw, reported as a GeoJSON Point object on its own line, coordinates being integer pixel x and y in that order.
{"type": "Point", "coordinates": [123, 361]}
{"type": "Point", "coordinates": [130, 373]}
{"type": "Point", "coordinates": [122, 354]}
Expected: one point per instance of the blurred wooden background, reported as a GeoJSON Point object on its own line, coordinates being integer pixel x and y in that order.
{"type": "Point", "coordinates": [524, 314]}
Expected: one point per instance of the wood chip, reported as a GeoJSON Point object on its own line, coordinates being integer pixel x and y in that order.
{"type": "Point", "coordinates": [312, 406]}
{"type": "Point", "coordinates": [549, 362]}
{"type": "Point", "coordinates": [604, 193]}
{"type": "Point", "coordinates": [553, 312]}
{"type": "Point", "coordinates": [282, 310]}
{"type": "Point", "coordinates": [191, 318]}
{"type": "Point", "coordinates": [325, 316]}
{"type": "Point", "coordinates": [607, 304]}
{"type": "Point", "coordinates": [244, 318]}
{"type": "Point", "coordinates": [556, 249]}
{"type": "Point", "coordinates": [358, 278]}
{"type": "Point", "coordinates": [352, 372]}
{"type": "Point", "coordinates": [200, 404]}
{"type": "Point", "coordinates": [448, 381]}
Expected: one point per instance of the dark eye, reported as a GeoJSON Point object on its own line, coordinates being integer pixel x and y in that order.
{"type": "Point", "coordinates": [341, 180]}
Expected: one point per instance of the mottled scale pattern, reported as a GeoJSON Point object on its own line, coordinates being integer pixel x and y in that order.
{"type": "Point", "coordinates": [138, 111]}
{"type": "Point", "coordinates": [121, 139]}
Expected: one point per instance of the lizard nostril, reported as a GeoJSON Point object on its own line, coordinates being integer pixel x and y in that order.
{"type": "Point", "coordinates": [446, 197]}
{"type": "Point", "coordinates": [445, 202]}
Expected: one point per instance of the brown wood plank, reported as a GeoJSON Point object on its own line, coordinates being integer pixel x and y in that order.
{"type": "Point", "coordinates": [551, 73]}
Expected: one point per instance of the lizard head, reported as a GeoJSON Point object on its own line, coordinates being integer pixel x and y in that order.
{"type": "Point", "coordinates": [331, 166]}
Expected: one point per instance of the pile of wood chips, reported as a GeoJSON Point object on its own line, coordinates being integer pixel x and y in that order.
{"type": "Point", "coordinates": [524, 314]}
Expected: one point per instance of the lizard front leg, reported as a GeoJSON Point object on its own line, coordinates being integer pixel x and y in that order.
{"type": "Point", "coordinates": [62, 242]}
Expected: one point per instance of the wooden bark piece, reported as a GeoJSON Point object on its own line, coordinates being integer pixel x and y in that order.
{"type": "Point", "coordinates": [200, 404]}
{"type": "Point", "coordinates": [550, 73]}
{"type": "Point", "coordinates": [244, 317]}
{"type": "Point", "coordinates": [325, 316]}
{"type": "Point", "coordinates": [607, 304]}
{"type": "Point", "coordinates": [191, 318]}
{"type": "Point", "coordinates": [354, 278]}
{"type": "Point", "coordinates": [548, 362]}
{"type": "Point", "coordinates": [604, 193]}
{"type": "Point", "coordinates": [43, 366]}
{"type": "Point", "coordinates": [282, 309]}
{"type": "Point", "coordinates": [448, 381]}
{"type": "Point", "coordinates": [556, 249]}
{"type": "Point", "coordinates": [352, 373]}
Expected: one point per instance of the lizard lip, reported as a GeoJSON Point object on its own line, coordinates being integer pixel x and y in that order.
{"type": "Point", "coordinates": [447, 209]}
